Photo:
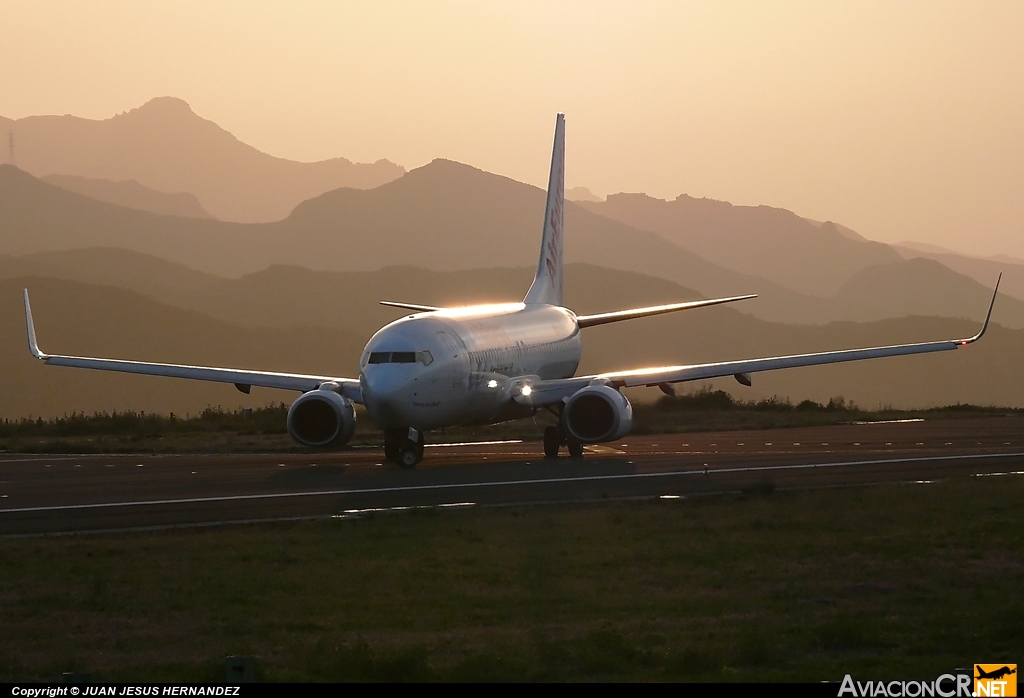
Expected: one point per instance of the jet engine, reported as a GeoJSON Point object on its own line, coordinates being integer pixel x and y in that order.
{"type": "Point", "coordinates": [322, 418]}
{"type": "Point", "coordinates": [597, 413]}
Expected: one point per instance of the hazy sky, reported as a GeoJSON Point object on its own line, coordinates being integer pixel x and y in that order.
{"type": "Point", "coordinates": [902, 120]}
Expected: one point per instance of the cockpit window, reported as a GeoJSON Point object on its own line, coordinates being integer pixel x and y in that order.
{"type": "Point", "coordinates": [401, 357]}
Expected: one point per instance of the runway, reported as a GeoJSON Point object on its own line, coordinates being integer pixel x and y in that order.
{"type": "Point", "coordinates": [42, 494]}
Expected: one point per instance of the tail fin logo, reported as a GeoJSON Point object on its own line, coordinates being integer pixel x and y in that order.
{"type": "Point", "coordinates": [553, 259]}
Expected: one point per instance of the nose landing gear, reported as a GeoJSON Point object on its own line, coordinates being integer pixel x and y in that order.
{"type": "Point", "coordinates": [404, 447]}
{"type": "Point", "coordinates": [554, 438]}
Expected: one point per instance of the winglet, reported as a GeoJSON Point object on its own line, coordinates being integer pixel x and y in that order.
{"type": "Point", "coordinates": [33, 345]}
{"type": "Point", "coordinates": [975, 338]}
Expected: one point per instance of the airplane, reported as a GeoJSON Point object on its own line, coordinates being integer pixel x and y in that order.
{"type": "Point", "coordinates": [995, 673]}
{"type": "Point", "coordinates": [484, 364]}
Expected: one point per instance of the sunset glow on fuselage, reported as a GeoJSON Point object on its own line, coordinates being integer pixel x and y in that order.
{"type": "Point", "coordinates": [479, 356]}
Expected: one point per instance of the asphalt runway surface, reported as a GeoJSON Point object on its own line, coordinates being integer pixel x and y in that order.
{"type": "Point", "coordinates": [53, 494]}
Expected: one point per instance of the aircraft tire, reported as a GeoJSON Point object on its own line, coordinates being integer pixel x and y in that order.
{"type": "Point", "coordinates": [575, 448]}
{"type": "Point", "coordinates": [409, 453]}
{"type": "Point", "coordinates": [552, 442]}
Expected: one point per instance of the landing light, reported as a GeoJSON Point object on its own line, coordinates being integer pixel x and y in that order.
{"type": "Point", "coordinates": [526, 390]}
{"type": "Point", "coordinates": [492, 384]}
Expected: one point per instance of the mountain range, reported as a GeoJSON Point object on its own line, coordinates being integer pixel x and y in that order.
{"type": "Point", "coordinates": [157, 235]}
{"type": "Point", "coordinates": [151, 157]}
{"type": "Point", "coordinates": [759, 240]}
{"type": "Point", "coordinates": [279, 296]}
{"type": "Point", "coordinates": [447, 216]}
{"type": "Point", "coordinates": [131, 194]}
{"type": "Point", "coordinates": [165, 146]}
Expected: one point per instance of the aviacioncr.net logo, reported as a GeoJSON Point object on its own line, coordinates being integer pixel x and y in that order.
{"type": "Point", "coordinates": [946, 686]}
{"type": "Point", "coordinates": [995, 680]}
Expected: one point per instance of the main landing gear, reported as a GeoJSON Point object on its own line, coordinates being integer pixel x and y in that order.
{"type": "Point", "coordinates": [403, 447]}
{"type": "Point", "coordinates": [555, 438]}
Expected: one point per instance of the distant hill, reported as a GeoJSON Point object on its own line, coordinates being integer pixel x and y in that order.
{"type": "Point", "coordinates": [581, 194]}
{"type": "Point", "coordinates": [279, 296]}
{"type": "Point", "coordinates": [110, 266]}
{"type": "Point", "coordinates": [805, 256]}
{"type": "Point", "coordinates": [938, 249]}
{"type": "Point", "coordinates": [163, 145]}
{"type": "Point", "coordinates": [922, 286]}
{"type": "Point", "coordinates": [982, 269]}
{"type": "Point", "coordinates": [843, 230]}
{"type": "Point", "coordinates": [131, 194]}
{"type": "Point", "coordinates": [40, 217]}
{"type": "Point", "coordinates": [72, 317]}
{"type": "Point", "coordinates": [447, 216]}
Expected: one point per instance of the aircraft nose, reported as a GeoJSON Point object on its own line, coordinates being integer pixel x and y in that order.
{"type": "Point", "coordinates": [384, 394]}
{"type": "Point", "coordinates": [384, 382]}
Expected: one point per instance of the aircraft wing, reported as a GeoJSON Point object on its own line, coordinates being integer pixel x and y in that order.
{"type": "Point", "coordinates": [604, 318]}
{"type": "Point", "coordinates": [412, 306]}
{"type": "Point", "coordinates": [242, 379]}
{"type": "Point", "coordinates": [546, 392]}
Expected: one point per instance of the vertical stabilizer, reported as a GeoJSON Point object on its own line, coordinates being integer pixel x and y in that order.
{"type": "Point", "coordinates": [547, 284]}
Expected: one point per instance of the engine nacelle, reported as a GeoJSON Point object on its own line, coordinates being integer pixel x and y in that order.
{"type": "Point", "coordinates": [322, 418]}
{"type": "Point", "coordinates": [597, 413]}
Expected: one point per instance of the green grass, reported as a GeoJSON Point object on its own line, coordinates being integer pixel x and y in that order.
{"type": "Point", "coordinates": [881, 582]}
{"type": "Point", "coordinates": [263, 430]}
{"type": "Point", "coordinates": [717, 410]}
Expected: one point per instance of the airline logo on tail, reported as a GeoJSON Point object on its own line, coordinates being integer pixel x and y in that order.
{"type": "Point", "coordinates": [553, 225]}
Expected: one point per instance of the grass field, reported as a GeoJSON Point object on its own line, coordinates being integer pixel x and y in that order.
{"type": "Point", "coordinates": [264, 431]}
{"type": "Point", "coordinates": [884, 582]}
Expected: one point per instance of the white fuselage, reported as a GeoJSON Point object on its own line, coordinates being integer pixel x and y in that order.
{"type": "Point", "coordinates": [447, 367]}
